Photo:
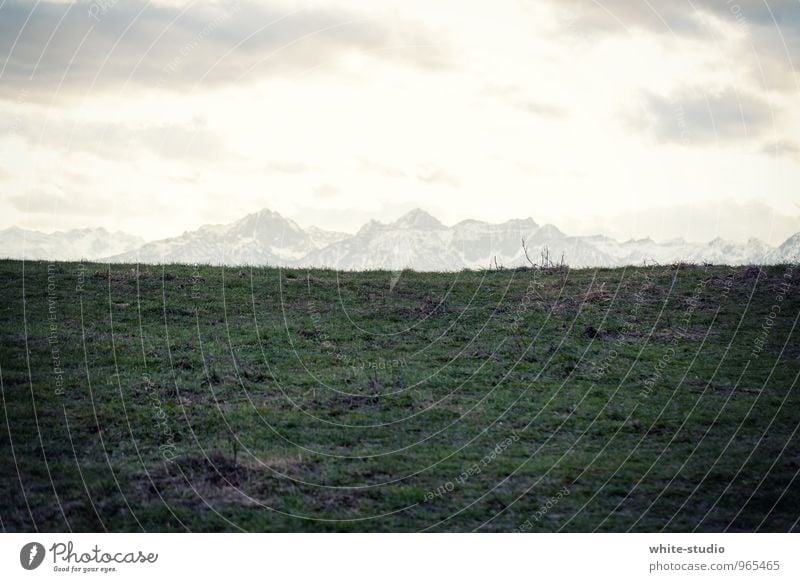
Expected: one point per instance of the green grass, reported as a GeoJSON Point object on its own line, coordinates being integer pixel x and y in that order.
{"type": "Point", "coordinates": [642, 399]}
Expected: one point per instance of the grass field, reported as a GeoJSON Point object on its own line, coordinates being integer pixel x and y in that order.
{"type": "Point", "coordinates": [174, 398]}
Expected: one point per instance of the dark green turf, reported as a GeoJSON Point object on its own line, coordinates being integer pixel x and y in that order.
{"type": "Point", "coordinates": [644, 399]}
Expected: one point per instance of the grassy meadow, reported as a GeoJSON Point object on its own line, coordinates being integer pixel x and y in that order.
{"type": "Point", "coordinates": [174, 398]}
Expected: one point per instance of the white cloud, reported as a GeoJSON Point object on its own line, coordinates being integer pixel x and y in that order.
{"type": "Point", "coordinates": [467, 109]}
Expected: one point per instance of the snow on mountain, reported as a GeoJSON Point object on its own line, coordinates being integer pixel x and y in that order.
{"type": "Point", "coordinates": [322, 238]}
{"type": "Point", "coordinates": [640, 251]}
{"type": "Point", "coordinates": [787, 252]}
{"type": "Point", "coordinates": [419, 241]}
{"type": "Point", "coordinates": [71, 245]}
{"type": "Point", "coordinates": [416, 240]}
{"type": "Point", "coordinates": [418, 219]}
{"type": "Point", "coordinates": [720, 251]}
{"type": "Point", "coordinates": [261, 238]}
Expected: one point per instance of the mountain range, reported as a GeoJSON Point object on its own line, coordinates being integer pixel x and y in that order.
{"type": "Point", "coordinates": [71, 245]}
{"type": "Point", "coordinates": [416, 240]}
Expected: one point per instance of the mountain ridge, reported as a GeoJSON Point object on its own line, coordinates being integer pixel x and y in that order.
{"type": "Point", "coordinates": [65, 245]}
{"type": "Point", "coordinates": [415, 240]}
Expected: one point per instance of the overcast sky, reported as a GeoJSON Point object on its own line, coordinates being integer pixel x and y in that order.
{"type": "Point", "coordinates": [624, 117]}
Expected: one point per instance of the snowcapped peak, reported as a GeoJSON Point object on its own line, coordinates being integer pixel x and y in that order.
{"type": "Point", "coordinates": [265, 214]}
{"type": "Point", "coordinates": [793, 240]}
{"type": "Point", "coordinates": [757, 243]}
{"type": "Point", "coordinates": [416, 240]}
{"type": "Point", "coordinates": [550, 230]}
{"type": "Point", "coordinates": [788, 252]}
{"type": "Point", "coordinates": [639, 241]}
{"type": "Point", "coordinates": [266, 220]}
{"type": "Point", "coordinates": [523, 222]}
{"type": "Point", "coordinates": [418, 219]}
{"type": "Point", "coordinates": [71, 245]}
{"type": "Point", "coordinates": [370, 226]}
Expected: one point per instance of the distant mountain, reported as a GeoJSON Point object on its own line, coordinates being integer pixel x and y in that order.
{"type": "Point", "coordinates": [71, 245]}
{"type": "Point", "coordinates": [322, 238]}
{"type": "Point", "coordinates": [261, 238]}
{"type": "Point", "coordinates": [788, 252]}
{"type": "Point", "coordinates": [718, 251]}
{"type": "Point", "coordinates": [419, 241]}
{"type": "Point", "coordinates": [416, 240]}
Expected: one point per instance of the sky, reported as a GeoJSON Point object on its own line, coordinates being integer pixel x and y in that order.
{"type": "Point", "coordinates": [620, 117]}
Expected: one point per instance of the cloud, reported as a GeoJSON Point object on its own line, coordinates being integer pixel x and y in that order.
{"type": "Point", "coordinates": [612, 16]}
{"type": "Point", "coordinates": [431, 174]}
{"type": "Point", "coordinates": [388, 171]}
{"type": "Point", "coordinates": [694, 117]}
{"type": "Point", "coordinates": [782, 149]}
{"type": "Point", "coordinates": [771, 28]}
{"type": "Point", "coordinates": [288, 167]}
{"type": "Point", "coordinates": [696, 222]}
{"type": "Point", "coordinates": [681, 18]}
{"type": "Point", "coordinates": [177, 140]}
{"type": "Point", "coordinates": [427, 173]}
{"type": "Point", "coordinates": [74, 48]}
{"type": "Point", "coordinates": [541, 109]}
{"type": "Point", "coordinates": [55, 201]}
{"type": "Point", "coordinates": [326, 191]}
{"type": "Point", "coordinates": [518, 98]}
